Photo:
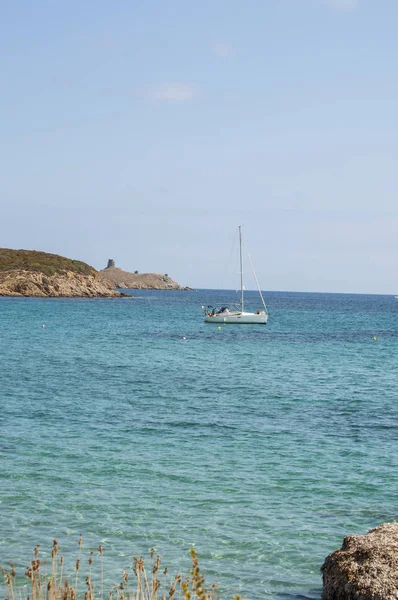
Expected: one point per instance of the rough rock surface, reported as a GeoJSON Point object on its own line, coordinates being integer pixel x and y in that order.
{"type": "Point", "coordinates": [67, 284]}
{"type": "Point", "coordinates": [41, 274]}
{"type": "Point", "coordinates": [139, 281]}
{"type": "Point", "coordinates": [365, 568]}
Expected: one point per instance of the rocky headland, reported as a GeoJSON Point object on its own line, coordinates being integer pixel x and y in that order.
{"type": "Point", "coordinates": [40, 274]}
{"type": "Point", "coordinates": [365, 567]}
{"type": "Point", "coordinates": [139, 281]}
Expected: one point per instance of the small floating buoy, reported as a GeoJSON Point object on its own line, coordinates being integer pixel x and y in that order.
{"type": "Point", "coordinates": [184, 338]}
{"type": "Point", "coordinates": [375, 338]}
{"type": "Point", "coordinates": [43, 326]}
{"type": "Point", "coordinates": [219, 328]}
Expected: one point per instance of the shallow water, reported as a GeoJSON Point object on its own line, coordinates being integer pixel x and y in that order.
{"type": "Point", "coordinates": [262, 446]}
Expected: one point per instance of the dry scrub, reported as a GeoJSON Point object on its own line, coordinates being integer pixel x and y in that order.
{"type": "Point", "coordinates": [138, 583]}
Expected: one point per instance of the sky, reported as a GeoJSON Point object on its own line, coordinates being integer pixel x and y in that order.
{"type": "Point", "coordinates": [147, 130]}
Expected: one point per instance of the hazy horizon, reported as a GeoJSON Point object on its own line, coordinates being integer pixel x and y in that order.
{"type": "Point", "coordinates": [225, 289]}
{"type": "Point", "coordinates": [147, 133]}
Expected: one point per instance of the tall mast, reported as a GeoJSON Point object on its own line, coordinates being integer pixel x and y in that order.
{"type": "Point", "coordinates": [241, 267]}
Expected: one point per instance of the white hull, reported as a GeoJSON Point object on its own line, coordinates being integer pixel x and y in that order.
{"type": "Point", "coordinates": [242, 318]}
{"type": "Point", "coordinates": [238, 315]}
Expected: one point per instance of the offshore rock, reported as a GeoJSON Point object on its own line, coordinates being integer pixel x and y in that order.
{"type": "Point", "coordinates": [365, 568]}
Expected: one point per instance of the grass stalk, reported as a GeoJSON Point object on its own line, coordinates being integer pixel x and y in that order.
{"type": "Point", "coordinates": [55, 585]}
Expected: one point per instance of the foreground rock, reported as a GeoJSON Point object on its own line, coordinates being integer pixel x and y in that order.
{"type": "Point", "coordinates": [39, 274]}
{"type": "Point", "coordinates": [139, 281]}
{"type": "Point", "coordinates": [365, 568]}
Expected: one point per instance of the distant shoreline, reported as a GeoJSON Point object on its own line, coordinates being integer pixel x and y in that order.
{"type": "Point", "coordinates": [35, 274]}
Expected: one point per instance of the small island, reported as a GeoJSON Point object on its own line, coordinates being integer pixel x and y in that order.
{"type": "Point", "coordinates": [44, 275]}
{"type": "Point", "coordinates": [139, 281]}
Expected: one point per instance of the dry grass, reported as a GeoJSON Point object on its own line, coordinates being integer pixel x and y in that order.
{"type": "Point", "coordinates": [138, 583]}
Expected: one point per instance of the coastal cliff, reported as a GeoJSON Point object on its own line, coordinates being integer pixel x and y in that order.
{"type": "Point", "coordinates": [40, 274]}
{"type": "Point", "coordinates": [139, 281]}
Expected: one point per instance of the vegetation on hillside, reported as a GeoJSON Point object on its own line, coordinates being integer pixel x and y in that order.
{"type": "Point", "coordinates": [41, 262]}
{"type": "Point", "coordinates": [54, 580]}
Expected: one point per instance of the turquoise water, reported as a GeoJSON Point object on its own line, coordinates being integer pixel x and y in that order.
{"type": "Point", "coordinates": [262, 446]}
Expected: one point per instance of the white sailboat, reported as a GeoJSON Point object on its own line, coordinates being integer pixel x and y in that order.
{"type": "Point", "coordinates": [238, 315]}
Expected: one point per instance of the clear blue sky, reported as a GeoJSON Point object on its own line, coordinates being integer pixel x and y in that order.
{"type": "Point", "coordinates": [147, 130]}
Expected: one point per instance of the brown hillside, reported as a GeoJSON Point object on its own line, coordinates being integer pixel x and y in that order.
{"type": "Point", "coordinates": [141, 281]}
{"type": "Point", "coordinates": [40, 274]}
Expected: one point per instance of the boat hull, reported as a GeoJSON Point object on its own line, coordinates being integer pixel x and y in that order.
{"type": "Point", "coordinates": [238, 319]}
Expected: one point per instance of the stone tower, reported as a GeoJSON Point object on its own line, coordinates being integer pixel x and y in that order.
{"type": "Point", "coordinates": [111, 263]}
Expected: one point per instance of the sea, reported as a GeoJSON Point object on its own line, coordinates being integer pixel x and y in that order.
{"type": "Point", "coordinates": [132, 422]}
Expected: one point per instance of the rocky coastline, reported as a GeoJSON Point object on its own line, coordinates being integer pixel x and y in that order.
{"type": "Point", "coordinates": [44, 275]}
{"type": "Point", "coordinates": [64, 285]}
{"type": "Point", "coordinates": [139, 281]}
{"type": "Point", "coordinates": [365, 567]}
